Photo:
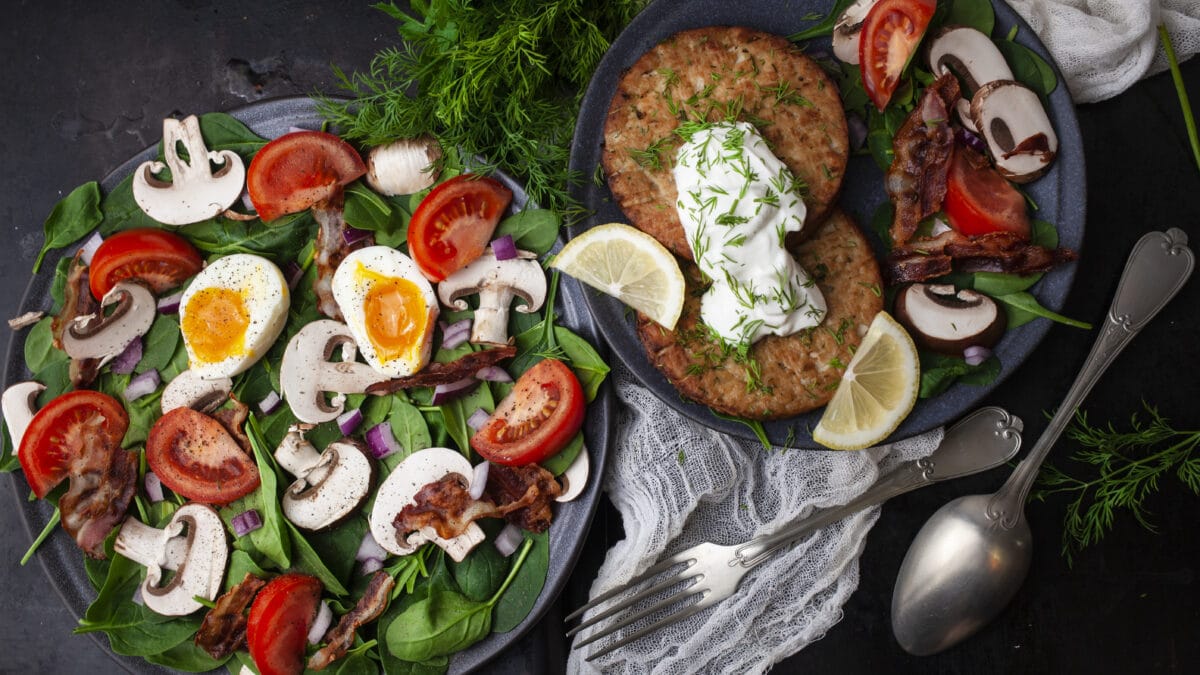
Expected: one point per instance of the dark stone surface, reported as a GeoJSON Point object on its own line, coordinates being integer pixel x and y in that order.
{"type": "Point", "coordinates": [85, 86]}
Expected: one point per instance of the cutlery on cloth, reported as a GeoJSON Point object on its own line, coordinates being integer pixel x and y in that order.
{"type": "Point", "coordinates": [711, 572]}
{"type": "Point", "coordinates": [973, 553]}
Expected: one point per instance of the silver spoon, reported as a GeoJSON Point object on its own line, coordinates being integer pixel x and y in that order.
{"type": "Point", "coordinates": [972, 555]}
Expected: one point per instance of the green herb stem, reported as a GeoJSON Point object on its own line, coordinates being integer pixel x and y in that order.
{"type": "Point", "coordinates": [46, 532]}
{"type": "Point", "coordinates": [1185, 105]}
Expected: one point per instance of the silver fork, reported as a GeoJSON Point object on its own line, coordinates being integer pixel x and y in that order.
{"type": "Point", "coordinates": [983, 440]}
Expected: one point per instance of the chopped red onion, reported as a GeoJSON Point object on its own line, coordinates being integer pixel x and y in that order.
{"type": "Point", "coordinates": [348, 421]}
{"type": "Point", "coordinates": [381, 441]}
{"type": "Point", "coordinates": [247, 202]}
{"type": "Point", "coordinates": [504, 248]}
{"type": "Point", "coordinates": [246, 522]}
{"type": "Point", "coordinates": [293, 129]}
{"type": "Point", "coordinates": [137, 597]}
{"type": "Point", "coordinates": [369, 548]}
{"type": "Point", "coordinates": [448, 392]}
{"type": "Point", "coordinates": [293, 273]}
{"type": "Point", "coordinates": [170, 304]}
{"type": "Point", "coordinates": [89, 248]}
{"type": "Point", "coordinates": [976, 354]}
{"type": "Point", "coordinates": [270, 404]}
{"type": "Point", "coordinates": [153, 486]}
{"type": "Point", "coordinates": [478, 419]}
{"type": "Point", "coordinates": [479, 480]}
{"type": "Point", "coordinates": [971, 140]}
{"type": "Point", "coordinates": [142, 385]}
{"type": "Point", "coordinates": [370, 566]}
{"type": "Point", "coordinates": [939, 227]}
{"type": "Point", "coordinates": [127, 360]}
{"type": "Point", "coordinates": [456, 333]}
{"type": "Point", "coordinates": [353, 235]}
{"type": "Point", "coordinates": [320, 624]}
{"type": "Point", "coordinates": [509, 540]}
{"type": "Point", "coordinates": [493, 374]}
{"type": "Point", "coordinates": [858, 131]}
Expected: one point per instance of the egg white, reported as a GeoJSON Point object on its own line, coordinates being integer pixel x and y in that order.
{"type": "Point", "coordinates": [264, 294]}
{"type": "Point", "coordinates": [352, 282]}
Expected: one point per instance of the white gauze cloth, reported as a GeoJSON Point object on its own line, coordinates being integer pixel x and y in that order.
{"type": "Point", "coordinates": [677, 484]}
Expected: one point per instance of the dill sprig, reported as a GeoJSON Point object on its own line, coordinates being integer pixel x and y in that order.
{"type": "Point", "coordinates": [501, 80]}
{"type": "Point", "coordinates": [1129, 464]}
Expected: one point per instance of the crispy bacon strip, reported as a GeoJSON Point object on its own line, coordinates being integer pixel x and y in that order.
{"type": "Point", "coordinates": [77, 301]}
{"type": "Point", "coordinates": [525, 492]}
{"type": "Point", "coordinates": [234, 420]}
{"type": "Point", "coordinates": [994, 252]}
{"type": "Point", "coordinates": [916, 181]}
{"type": "Point", "coordinates": [341, 637]}
{"type": "Point", "coordinates": [445, 373]}
{"type": "Point", "coordinates": [103, 482]}
{"type": "Point", "coordinates": [223, 629]}
{"type": "Point", "coordinates": [330, 249]}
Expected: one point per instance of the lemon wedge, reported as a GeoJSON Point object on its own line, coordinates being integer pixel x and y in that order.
{"type": "Point", "coordinates": [877, 390]}
{"type": "Point", "coordinates": [629, 265]}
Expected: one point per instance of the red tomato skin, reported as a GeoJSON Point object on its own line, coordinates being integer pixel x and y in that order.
{"type": "Point", "coordinates": [297, 170]}
{"type": "Point", "coordinates": [454, 223]}
{"type": "Point", "coordinates": [162, 259]}
{"type": "Point", "coordinates": [58, 432]}
{"type": "Point", "coordinates": [980, 201]}
{"type": "Point", "coordinates": [280, 617]}
{"type": "Point", "coordinates": [539, 432]}
{"type": "Point", "coordinates": [891, 24]}
{"type": "Point", "coordinates": [195, 456]}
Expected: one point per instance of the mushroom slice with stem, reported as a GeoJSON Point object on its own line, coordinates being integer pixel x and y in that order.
{"type": "Point", "coordinates": [1019, 135]}
{"type": "Point", "coordinates": [306, 372]}
{"type": "Point", "coordinates": [574, 479]}
{"type": "Point", "coordinates": [330, 485]}
{"type": "Point", "coordinates": [189, 390]}
{"type": "Point", "coordinates": [19, 403]}
{"type": "Point", "coordinates": [969, 54]}
{"type": "Point", "coordinates": [104, 336]}
{"type": "Point", "coordinates": [194, 192]}
{"type": "Point", "coordinates": [848, 30]}
{"type": "Point", "coordinates": [192, 545]}
{"type": "Point", "coordinates": [945, 321]}
{"type": "Point", "coordinates": [405, 166]}
{"type": "Point", "coordinates": [399, 490]}
{"type": "Point", "coordinates": [496, 282]}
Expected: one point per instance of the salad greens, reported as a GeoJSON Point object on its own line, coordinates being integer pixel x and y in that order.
{"type": "Point", "coordinates": [439, 607]}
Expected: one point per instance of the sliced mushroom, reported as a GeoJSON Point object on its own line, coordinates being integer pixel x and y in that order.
{"type": "Point", "coordinates": [574, 479]}
{"type": "Point", "coordinates": [104, 337]}
{"type": "Point", "coordinates": [330, 485]}
{"type": "Point", "coordinates": [405, 166]}
{"type": "Point", "coordinates": [848, 30]}
{"type": "Point", "coordinates": [1020, 138]}
{"type": "Point", "coordinates": [306, 372]}
{"type": "Point", "coordinates": [192, 545]}
{"type": "Point", "coordinates": [969, 54]}
{"type": "Point", "coordinates": [963, 109]}
{"type": "Point", "coordinates": [497, 282]}
{"type": "Point", "coordinates": [189, 390]}
{"type": "Point", "coordinates": [947, 322]}
{"type": "Point", "coordinates": [19, 404]}
{"type": "Point", "coordinates": [194, 192]}
{"type": "Point", "coordinates": [401, 486]}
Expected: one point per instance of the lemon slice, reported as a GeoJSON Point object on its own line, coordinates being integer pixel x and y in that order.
{"type": "Point", "coordinates": [629, 265]}
{"type": "Point", "coordinates": [877, 391]}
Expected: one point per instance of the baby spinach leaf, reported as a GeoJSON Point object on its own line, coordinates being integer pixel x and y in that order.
{"type": "Point", "coordinates": [60, 282]}
{"type": "Point", "coordinates": [938, 372]}
{"type": "Point", "coordinates": [39, 347]}
{"type": "Point", "coordinates": [158, 347]}
{"type": "Point", "coordinates": [527, 580]}
{"type": "Point", "coordinates": [271, 540]}
{"type": "Point", "coordinates": [8, 457]}
{"type": "Point", "coordinates": [977, 14]}
{"type": "Point", "coordinates": [281, 241]}
{"type": "Point", "coordinates": [186, 656]}
{"type": "Point", "coordinates": [308, 561]}
{"type": "Point", "coordinates": [121, 211]}
{"type": "Point", "coordinates": [998, 283]}
{"type": "Point", "coordinates": [1025, 304]}
{"type": "Point", "coordinates": [532, 229]}
{"type": "Point", "coordinates": [583, 359]}
{"type": "Point", "coordinates": [482, 572]}
{"type": "Point", "coordinates": [1028, 68]}
{"type": "Point", "coordinates": [241, 564]}
{"type": "Point", "coordinates": [337, 547]}
{"type": "Point", "coordinates": [71, 218]}
{"type": "Point", "coordinates": [226, 132]}
{"type": "Point", "coordinates": [409, 428]}
{"type": "Point", "coordinates": [441, 624]}
{"type": "Point", "coordinates": [824, 27]}
{"type": "Point", "coordinates": [565, 457]}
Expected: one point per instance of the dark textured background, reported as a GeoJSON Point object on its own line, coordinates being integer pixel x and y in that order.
{"type": "Point", "coordinates": [84, 86]}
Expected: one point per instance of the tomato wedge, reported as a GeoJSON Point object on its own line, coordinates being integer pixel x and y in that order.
{"type": "Point", "coordinates": [162, 259]}
{"type": "Point", "coordinates": [65, 429]}
{"type": "Point", "coordinates": [538, 418]}
{"type": "Point", "coordinates": [195, 456]}
{"type": "Point", "coordinates": [979, 200]}
{"type": "Point", "coordinates": [890, 35]}
{"type": "Point", "coordinates": [280, 618]}
{"type": "Point", "coordinates": [297, 170]}
{"type": "Point", "coordinates": [454, 223]}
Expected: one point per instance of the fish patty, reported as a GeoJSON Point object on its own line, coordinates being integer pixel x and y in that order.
{"type": "Point", "coordinates": [720, 73]}
{"type": "Point", "coordinates": [779, 376]}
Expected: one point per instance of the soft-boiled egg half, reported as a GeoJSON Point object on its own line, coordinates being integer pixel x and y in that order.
{"type": "Point", "coordinates": [389, 307]}
{"type": "Point", "coordinates": [231, 314]}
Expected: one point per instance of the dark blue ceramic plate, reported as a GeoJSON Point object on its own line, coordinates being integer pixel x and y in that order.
{"type": "Point", "coordinates": [1059, 195]}
{"type": "Point", "coordinates": [63, 561]}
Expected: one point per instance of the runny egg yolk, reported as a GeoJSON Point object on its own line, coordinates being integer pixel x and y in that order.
{"type": "Point", "coordinates": [215, 322]}
{"type": "Point", "coordinates": [395, 314]}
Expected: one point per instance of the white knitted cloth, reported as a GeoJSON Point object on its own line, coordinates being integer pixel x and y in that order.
{"type": "Point", "coordinates": [677, 484]}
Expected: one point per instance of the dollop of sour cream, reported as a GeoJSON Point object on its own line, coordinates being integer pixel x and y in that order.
{"type": "Point", "coordinates": [737, 202]}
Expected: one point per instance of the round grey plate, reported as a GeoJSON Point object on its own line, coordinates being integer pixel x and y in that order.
{"type": "Point", "coordinates": [63, 561]}
{"type": "Point", "coordinates": [1060, 196]}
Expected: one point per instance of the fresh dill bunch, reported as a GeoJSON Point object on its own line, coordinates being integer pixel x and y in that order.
{"type": "Point", "coordinates": [1126, 466]}
{"type": "Point", "coordinates": [501, 80]}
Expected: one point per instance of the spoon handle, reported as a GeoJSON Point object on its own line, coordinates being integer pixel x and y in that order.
{"type": "Point", "coordinates": [1158, 267]}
